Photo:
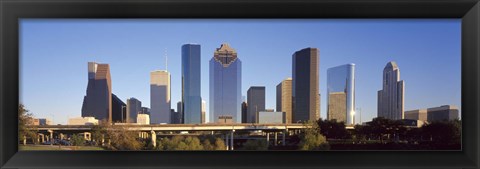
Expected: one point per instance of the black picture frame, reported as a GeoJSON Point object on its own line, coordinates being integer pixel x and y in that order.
{"type": "Point", "coordinates": [12, 10]}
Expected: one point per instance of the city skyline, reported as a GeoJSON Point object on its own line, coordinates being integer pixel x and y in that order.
{"type": "Point", "coordinates": [270, 89]}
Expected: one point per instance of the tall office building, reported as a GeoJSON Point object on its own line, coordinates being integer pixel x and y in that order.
{"type": "Point", "coordinates": [244, 112]}
{"type": "Point", "coordinates": [284, 99]}
{"type": "Point", "coordinates": [191, 92]}
{"type": "Point", "coordinates": [117, 109]}
{"type": "Point", "coordinates": [305, 93]}
{"type": "Point", "coordinates": [134, 107]}
{"type": "Point", "coordinates": [98, 100]}
{"type": "Point", "coordinates": [204, 109]}
{"type": "Point", "coordinates": [160, 97]}
{"type": "Point", "coordinates": [225, 84]}
{"type": "Point", "coordinates": [390, 98]}
{"type": "Point", "coordinates": [341, 93]}
{"type": "Point", "coordinates": [256, 102]}
{"type": "Point", "coordinates": [180, 112]}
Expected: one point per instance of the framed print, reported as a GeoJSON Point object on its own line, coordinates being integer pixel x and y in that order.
{"type": "Point", "coordinates": [239, 84]}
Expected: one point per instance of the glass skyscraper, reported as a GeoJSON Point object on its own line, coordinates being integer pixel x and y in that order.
{"type": "Point", "coordinates": [305, 93]}
{"type": "Point", "coordinates": [225, 84]}
{"type": "Point", "coordinates": [341, 93]}
{"type": "Point", "coordinates": [98, 101]}
{"type": "Point", "coordinates": [191, 94]}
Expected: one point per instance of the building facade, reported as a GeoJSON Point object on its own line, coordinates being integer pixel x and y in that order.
{"type": "Point", "coordinates": [419, 114]}
{"type": "Point", "coordinates": [445, 112]}
{"type": "Point", "coordinates": [143, 119]}
{"type": "Point", "coordinates": [118, 110]}
{"type": "Point", "coordinates": [160, 99]}
{"type": "Point", "coordinates": [82, 121]}
{"type": "Point", "coordinates": [256, 102]}
{"type": "Point", "coordinates": [134, 107]}
{"type": "Point", "coordinates": [204, 112]}
{"type": "Point", "coordinates": [191, 86]}
{"type": "Point", "coordinates": [270, 117]}
{"type": "Point", "coordinates": [284, 98]}
{"type": "Point", "coordinates": [391, 98]}
{"type": "Point", "coordinates": [305, 85]}
{"type": "Point", "coordinates": [341, 93]}
{"type": "Point", "coordinates": [225, 84]}
{"type": "Point", "coordinates": [98, 100]}
{"type": "Point", "coordinates": [180, 112]}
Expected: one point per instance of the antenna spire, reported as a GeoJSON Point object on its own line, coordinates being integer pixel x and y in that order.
{"type": "Point", "coordinates": [166, 60]}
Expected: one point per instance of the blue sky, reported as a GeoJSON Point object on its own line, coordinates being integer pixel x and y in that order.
{"type": "Point", "coordinates": [54, 55]}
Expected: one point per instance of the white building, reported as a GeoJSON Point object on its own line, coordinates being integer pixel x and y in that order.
{"type": "Point", "coordinates": [143, 119]}
{"type": "Point", "coordinates": [160, 99]}
{"type": "Point", "coordinates": [204, 109]}
{"type": "Point", "coordinates": [83, 121]}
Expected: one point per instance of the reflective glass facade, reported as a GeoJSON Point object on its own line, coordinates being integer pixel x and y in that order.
{"type": "Point", "coordinates": [225, 84]}
{"type": "Point", "coordinates": [341, 93]}
{"type": "Point", "coordinates": [191, 94]}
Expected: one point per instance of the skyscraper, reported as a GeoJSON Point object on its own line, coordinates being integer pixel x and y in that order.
{"type": "Point", "coordinates": [305, 93]}
{"type": "Point", "coordinates": [134, 107]}
{"type": "Point", "coordinates": [390, 98]}
{"type": "Point", "coordinates": [160, 97]}
{"type": "Point", "coordinates": [225, 84]}
{"type": "Point", "coordinates": [284, 98]}
{"type": "Point", "coordinates": [117, 109]}
{"type": "Point", "coordinates": [191, 92]}
{"type": "Point", "coordinates": [98, 100]}
{"type": "Point", "coordinates": [256, 103]}
{"type": "Point", "coordinates": [341, 93]}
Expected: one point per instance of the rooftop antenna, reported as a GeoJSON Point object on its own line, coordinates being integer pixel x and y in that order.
{"type": "Point", "coordinates": [166, 60]}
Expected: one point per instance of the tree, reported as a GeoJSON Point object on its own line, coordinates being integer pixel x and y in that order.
{"type": "Point", "coordinates": [207, 145]}
{"type": "Point", "coordinates": [312, 139]}
{"type": "Point", "coordinates": [255, 145]}
{"type": "Point", "coordinates": [123, 139]}
{"type": "Point", "coordinates": [220, 144]}
{"type": "Point", "coordinates": [25, 129]}
{"type": "Point", "coordinates": [77, 140]}
{"type": "Point", "coordinates": [443, 132]}
{"type": "Point", "coordinates": [332, 129]}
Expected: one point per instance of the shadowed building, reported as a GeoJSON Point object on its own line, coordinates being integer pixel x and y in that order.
{"type": "Point", "coordinates": [244, 112]}
{"type": "Point", "coordinates": [305, 93]}
{"type": "Point", "coordinates": [145, 110]}
{"type": "Point", "coordinates": [284, 98]}
{"type": "Point", "coordinates": [134, 107]}
{"type": "Point", "coordinates": [256, 102]}
{"type": "Point", "coordinates": [180, 112]}
{"type": "Point", "coordinates": [160, 97]}
{"type": "Point", "coordinates": [341, 93]}
{"type": "Point", "coordinates": [191, 86]}
{"type": "Point", "coordinates": [391, 97]}
{"type": "Point", "coordinates": [225, 84]}
{"type": "Point", "coordinates": [118, 110]}
{"type": "Point", "coordinates": [98, 101]}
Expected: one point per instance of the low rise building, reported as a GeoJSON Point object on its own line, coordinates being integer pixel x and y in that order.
{"type": "Point", "coordinates": [82, 121]}
{"type": "Point", "coordinates": [143, 119]}
{"type": "Point", "coordinates": [271, 117]}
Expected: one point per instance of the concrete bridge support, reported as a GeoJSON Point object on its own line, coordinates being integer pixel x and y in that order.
{"type": "Point", "coordinates": [153, 138]}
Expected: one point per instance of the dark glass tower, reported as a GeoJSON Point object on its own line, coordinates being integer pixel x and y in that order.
{"type": "Point", "coordinates": [225, 84]}
{"type": "Point", "coordinates": [98, 101]}
{"type": "Point", "coordinates": [305, 93]}
{"type": "Point", "coordinates": [117, 109]}
{"type": "Point", "coordinates": [256, 102]}
{"type": "Point", "coordinates": [191, 94]}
